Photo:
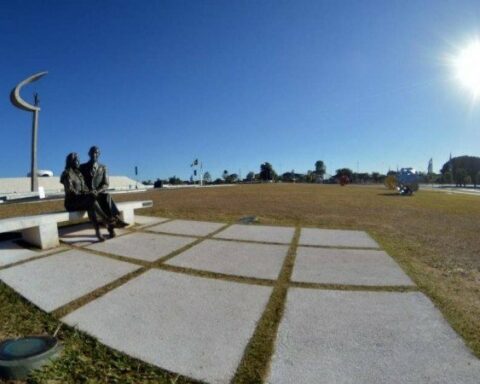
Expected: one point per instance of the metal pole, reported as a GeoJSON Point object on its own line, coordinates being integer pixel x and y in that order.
{"type": "Point", "coordinates": [34, 176]}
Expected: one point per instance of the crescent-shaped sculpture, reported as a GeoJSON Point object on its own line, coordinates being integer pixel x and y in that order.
{"type": "Point", "coordinates": [17, 100]}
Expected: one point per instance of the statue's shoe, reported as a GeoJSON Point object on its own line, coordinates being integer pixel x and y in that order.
{"type": "Point", "coordinates": [111, 232]}
{"type": "Point", "coordinates": [120, 224]}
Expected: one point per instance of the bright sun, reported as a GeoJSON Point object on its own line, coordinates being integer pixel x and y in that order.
{"type": "Point", "coordinates": [467, 67]}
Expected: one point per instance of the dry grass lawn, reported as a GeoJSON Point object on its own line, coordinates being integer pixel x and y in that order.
{"type": "Point", "coordinates": [434, 236]}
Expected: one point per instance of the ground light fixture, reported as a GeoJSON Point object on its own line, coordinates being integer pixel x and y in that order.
{"type": "Point", "coordinates": [20, 356]}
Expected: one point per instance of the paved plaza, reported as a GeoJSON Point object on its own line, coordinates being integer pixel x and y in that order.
{"type": "Point", "coordinates": [351, 314]}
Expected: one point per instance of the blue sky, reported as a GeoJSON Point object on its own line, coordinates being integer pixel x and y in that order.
{"type": "Point", "coordinates": [236, 83]}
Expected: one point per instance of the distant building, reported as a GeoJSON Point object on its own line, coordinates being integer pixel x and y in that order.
{"type": "Point", "coordinates": [430, 166]}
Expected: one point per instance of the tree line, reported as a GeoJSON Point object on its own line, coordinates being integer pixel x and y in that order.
{"type": "Point", "coordinates": [460, 170]}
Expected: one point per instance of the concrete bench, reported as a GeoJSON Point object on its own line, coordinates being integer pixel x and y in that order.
{"type": "Point", "coordinates": [42, 230]}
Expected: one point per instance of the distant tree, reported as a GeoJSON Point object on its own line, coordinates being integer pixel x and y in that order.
{"type": "Point", "coordinates": [300, 178]}
{"type": "Point", "coordinates": [471, 165]}
{"type": "Point", "coordinates": [147, 182]}
{"type": "Point", "coordinates": [207, 178]}
{"type": "Point", "coordinates": [477, 179]}
{"type": "Point", "coordinates": [467, 180]}
{"type": "Point", "coordinates": [320, 168]}
{"type": "Point", "coordinates": [250, 176]}
{"type": "Point", "coordinates": [232, 178]}
{"type": "Point", "coordinates": [459, 175]}
{"type": "Point", "coordinates": [310, 177]}
{"type": "Point", "coordinates": [218, 181]}
{"type": "Point", "coordinates": [174, 180]}
{"type": "Point", "coordinates": [158, 184]}
{"type": "Point", "coordinates": [375, 177]}
{"type": "Point", "coordinates": [287, 177]}
{"type": "Point", "coordinates": [267, 172]}
{"type": "Point", "coordinates": [359, 177]}
{"type": "Point", "coordinates": [344, 172]}
{"type": "Point", "coordinates": [447, 177]}
{"type": "Point", "coordinates": [225, 174]}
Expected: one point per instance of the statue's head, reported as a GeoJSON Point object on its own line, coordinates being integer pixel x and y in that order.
{"type": "Point", "coordinates": [72, 161]}
{"type": "Point", "coordinates": [94, 153]}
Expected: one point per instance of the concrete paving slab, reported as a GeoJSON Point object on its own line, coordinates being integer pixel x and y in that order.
{"type": "Point", "coordinates": [11, 252]}
{"type": "Point", "coordinates": [347, 266]}
{"type": "Point", "coordinates": [56, 280]}
{"type": "Point", "coordinates": [83, 234]}
{"type": "Point", "coordinates": [368, 337]}
{"type": "Point", "coordinates": [143, 246]}
{"type": "Point", "coordinates": [336, 238]}
{"type": "Point", "coordinates": [194, 326]}
{"type": "Point", "coordinates": [232, 258]}
{"type": "Point", "coordinates": [188, 227]}
{"type": "Point", "coordinates": [262, 233]}
{"type": "Point", "coordinates": [143, 221]}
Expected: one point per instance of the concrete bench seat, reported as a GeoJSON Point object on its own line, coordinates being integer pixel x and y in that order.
{"type": "Point", "coordinates": [42, 230]}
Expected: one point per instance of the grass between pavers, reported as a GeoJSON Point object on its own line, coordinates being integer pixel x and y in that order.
{"type": "Point", "coordinates": [433, 236]}
{"type": "Point", "coordinates": [256, 360]}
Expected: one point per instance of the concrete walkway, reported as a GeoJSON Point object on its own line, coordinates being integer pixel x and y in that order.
{"type": "Point", "coordinates": [351, 314]}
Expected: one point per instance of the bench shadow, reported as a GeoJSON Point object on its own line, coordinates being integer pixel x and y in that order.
{"type": "Point", "coordinates": [10, 244]}
{"type": "Point", "coordinates": [10, 236]}
{"type": "Point", "coordinates": [390, 194]}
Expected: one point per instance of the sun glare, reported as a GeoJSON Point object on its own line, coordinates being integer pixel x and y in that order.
{"type": "Point", "coordinates": [467, 67]}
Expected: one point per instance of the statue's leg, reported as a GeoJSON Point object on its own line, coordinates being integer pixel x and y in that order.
{"type": "Point", "coordinates": [92, 215]}
{"type": "Point", "coordinates": [110, 208]}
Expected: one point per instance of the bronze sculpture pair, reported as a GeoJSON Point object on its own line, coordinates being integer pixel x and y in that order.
{"type": "Point", "coordinates": [85, 189]}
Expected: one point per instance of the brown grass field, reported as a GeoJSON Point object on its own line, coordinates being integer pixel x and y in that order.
{"type": "Point", "coordinates": [434, 236]}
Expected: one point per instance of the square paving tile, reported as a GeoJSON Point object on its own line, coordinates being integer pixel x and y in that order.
{"type": "Point", "coordinates": [347, 266]}
{"type": "Point", "coordinates": [56, 280]}
{"type": "Point", "coordinates": [330, 337]}
{"type": "Point", "coordinates": [232, 258]}
{"type": "Point", "coordinates": [194, 326]}
{"type": "Point", "coordinates": [143, 246]}
{"type": "Point", "coordinates": [262, 233]}
{"type": "Point", "coordinates": [188, 227]}
{"type": "Point", "coordinates": [336, 238]}
{"type": "Point", "coordinates": [83, 234]}
{"type": "Point", "coordinates": [143, 221]}
{"type": "Point", "coordinates": [11, 252]}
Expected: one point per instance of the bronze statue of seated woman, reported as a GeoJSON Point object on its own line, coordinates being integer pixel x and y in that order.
{"type": "Point", "coordinates": [78, 198]}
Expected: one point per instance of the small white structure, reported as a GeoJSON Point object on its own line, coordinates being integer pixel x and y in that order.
{"type": "Point", "coordinates": [42, 173]}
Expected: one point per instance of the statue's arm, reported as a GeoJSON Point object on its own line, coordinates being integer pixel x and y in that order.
{"type": "Point", "coordinates": [69, 185]}
{"type": "Point", "coordinates": [104, 184]}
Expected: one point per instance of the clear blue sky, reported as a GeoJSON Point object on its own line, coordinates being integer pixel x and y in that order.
{"type": "Point", "coordinates": [237, 83]}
